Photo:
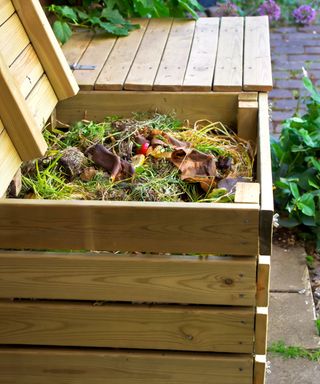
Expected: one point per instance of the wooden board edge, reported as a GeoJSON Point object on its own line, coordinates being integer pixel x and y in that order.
{"type": "Point", "coordinates": [263, 281]}
{"type": "Point", "coordinates": [261, 330]}
{"type": "Point", "coordinates": [247, 193]}
{"type": "Point", "coordinates": [260, 367]}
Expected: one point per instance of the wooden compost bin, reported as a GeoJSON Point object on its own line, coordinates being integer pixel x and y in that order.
{"type": "Point", "coordinates": [164, 316]}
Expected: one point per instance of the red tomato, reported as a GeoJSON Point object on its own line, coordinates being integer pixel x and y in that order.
{"type": "Point", "coordinates": [143, 149]}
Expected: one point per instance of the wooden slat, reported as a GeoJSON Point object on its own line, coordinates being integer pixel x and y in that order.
{"type": "Point", "coordinates": [27, 70]}
{"type": "Point", "coordinates": [228, 71]}
{"type": "Point", "coordinates": [6, 10]}
{"type": "Point", "coordinates": [186, 328]}
{"type": "Point", "coordinates": [1, 127]}
{"type": "Point", "coordinates": [42, 101]}
{"type": "Point", "coordinates": [257, 73]}
{"type": "Point", "coordinates": [17, 117]}
{"type": "Point", "coordinates": [264, 171]}
{"type": "Point", "coordinates": [9, 160]}
{"type": "Point", "coordinates": [100, 225]}
{"type": "Point", "coordinates": [175, 56]}
{"type": "Point", "coordinates": [259, 374]}
{"type": "Point", "coordinates": [116, 68]}
{"type": "Point", "coordinates": [75, 48]}
{"type": "Point", "coordinates": [13, 39]}
{"type": "Point", "coordinates": [46, 45]}
{"type": "Point", "coordinates": [186, 106]}
{"type": "Point", "coordinates": [261, 328]}
{"type": "Point", "coordinates": [145, 65]}
{"type": "Point", "coordinates": [98, 366]}
{"type": "Point", "coordinates": [247, 193]}
{"type": "Point", "coordinates": [96, 54]}
{"type": "Point", "coordinates": [142, 278]}
{"type": "Point", "coordinates": [247, 119]}
{"type": "Point", "coordinates": [199, 73]}
{"type": "Point", "coordinates": [263, 281]}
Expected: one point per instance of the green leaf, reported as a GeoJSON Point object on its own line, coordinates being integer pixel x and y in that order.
{"type": "Point", "coordinates": [306, 204]}
{"type": "Point", "coordinates": [311, 88]}
{"type": "Point", "coordinates": [294, 190]}
{"type": "Point", "coordinates": [68, 13]}
{"type": "Point", "coordinates": [288, 222]}
{"type": "Point", "coordinates": [62, 31]}
{"type": "Point", "coordinates": [113, 16]}
{"type": "Point", "coordinates": [113, 29]}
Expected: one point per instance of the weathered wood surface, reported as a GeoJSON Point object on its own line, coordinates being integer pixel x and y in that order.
{"type": "Point", "coordinates": [186, 328]}
{"type": "Point", "coordinates": [95, 366]}
{"type": "Point", "coordinates": [261, 329]}
{"type": "Point", "coordinates": [263, 281]}
{"type": "Point", "coordinates": [264, 173]}
{"type": "Point", "coordinates": [257, 56]}
{"type": "Point", "coordinates": [142, 278]}
{"type": "Point", "coordinates": [121, 226]}
{"type": "Point", "coordinates": [259, 374]}
{"type": "Point", "coordinates": [247, 118]}
{"type": "Point", "coordinates": [247, 193]}
{"type": "Point", "coordinates": [6, 10]}
{"type": "Point", "coordinates": [189, 106]}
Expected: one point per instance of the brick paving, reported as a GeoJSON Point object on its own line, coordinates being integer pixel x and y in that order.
{"type": "Point", "coordinates": [292, 48]}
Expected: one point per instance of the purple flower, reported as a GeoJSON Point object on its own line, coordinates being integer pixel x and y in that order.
{"type": "Point", "coordinates": [270, 8]}
{"type": "Point", "coordinates": [226, 9]}
{"type": "Point", "coordinates": [304, 15]}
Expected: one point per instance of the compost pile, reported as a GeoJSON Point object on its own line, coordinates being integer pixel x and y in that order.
{"type": "Point", "coordinates": [144, 158]}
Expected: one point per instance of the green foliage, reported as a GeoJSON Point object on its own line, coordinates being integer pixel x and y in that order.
{"type": "Point", "coordinates": [111, 15]}
{"type": "Point", "coordinates": [291, 352]}
{"type": "Point", "coordinates": [296, 167]}
{"type": "Point", "coordinates": [318, 325]}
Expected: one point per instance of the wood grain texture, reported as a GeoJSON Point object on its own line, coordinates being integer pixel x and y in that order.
{"type": "Point", "coordinates": [257, 72]}
{"type": "Point", "coordinates": [12, 31]}
{"type": "Point", "coordinates": [76, 46]}
{"type": "Point", "coordinates": [17, 117]}
{"type": "Point", "coordinates": [186, 106]}
{"type": "Point", "coordinates": [248, 120]}
{"type": "Point", "coordinates": [146, 63]}
{"type": "Point", "coordinates": [96, 54]}
{"type": "Point", "coordinates": [61, 366]}
{"type": "Point", "coordinates": [9, 160]}
{"type": "Point", "coordinates": [264, 172]}
{"type": "Point", "coordinates": [175, 56]}
{"type": "Point", "coordinates": [229, 65]}
{"type": "Point", "coordinates": [186, 328]}
{"type": "Point", "coordinates": [260, 364]}
{"type": "Point", "coordinates": [199, 73]}
{"type": "Point", "coordinates": [261, 329]}
{"type": "Point", "coordinates": [247, 193]}
{"type": "Point", "coordinates": [6, 10]}
{"type": "Point", "coordinates": [142, 278]}
{"type": "Point", "coordinates": [42, 101]}
{"type": "Point", "coordinates": [98, 225]}
{"type": "Point", "coordinates": [118, 64]}
{"type": "Point", "coordinates": [263, 281]}
{"type": "Point", "coordinates": [47, 47]}
{"type": "Point", "coordinates": [1, 127]}
{"type": "Point", "coordinates": [27, 70]}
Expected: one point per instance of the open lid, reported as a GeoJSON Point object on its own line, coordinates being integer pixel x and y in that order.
{"type": "Point", "coordinates": [34, 75]}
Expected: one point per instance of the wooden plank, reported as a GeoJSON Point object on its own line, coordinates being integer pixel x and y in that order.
{"type": "Point", "coordinates": [9, 161]}
{"type": "Point", "coordinates": [60, 366]}
{"type": "Point", "coordinates": [247, 193]}
{"type": "Point", "coordinates": [261, 328]}
{"type": "Point", "coordinates": [27, 70]}
{"type": "Point", "coordinates": [17, 118]}
{"type": "Point", "coordinates": [117, 66]}
{"type": "Point", "coordinates": [42, 101]}
{"type": "Point", "coordinates": [189, 328]}
{"type": "Point", "coordinates": [47, 47]}
{"type": "Point", "coordinates": [175, 56]}
{"type": "Point", "coordinates": [145, 65]}
{"type": "Point", "coordinates": [102, 225]}
{"type": "Point", "coordinates": [199, 73]}
{"type": "Point", "coordinates": [228, 71]}
{"type": "Point", "coordinates": [248, 120]}
{"type": "Point", "coordinates": [186, 106]}
{"type": "Point", "coordinates": [138, 278]}
{"type": "Point", "coordinates": [75, 48]}
{"type": "Point", "coordinates": [264, 171]}
{"type": "Point", "coordinates": [12, 31]}
{"type": "Point", "coordinates": [1, 127]}
{"type": "Point", "coordinates": [6, 10]}
{"type": "Point", "coordinates": [260, 365]}
{"type": "Point", "coordinates": [96, 54]}
{"type": "Point", "coordinates": [257, 72]}
{"type": "Point", "coordinates": [263, 281]}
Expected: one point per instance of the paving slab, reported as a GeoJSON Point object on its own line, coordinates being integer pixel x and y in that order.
{"type": "Point", "coordinates": [289, 272]}
{"type": "Point", "coordinates": [292, 371]}
{"type": "Point", "coordinates": [291, 319]}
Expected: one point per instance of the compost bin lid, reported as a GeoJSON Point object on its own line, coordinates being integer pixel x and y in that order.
{"type": "Point", "coordinates": [209, 54]}
{"type": "Point", "coordinates": [34, 76]}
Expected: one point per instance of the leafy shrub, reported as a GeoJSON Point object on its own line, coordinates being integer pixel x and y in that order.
{"type": "Point", "coordinates": [296, 167]}
{"type": "Point", "coordinates": [110, 15]}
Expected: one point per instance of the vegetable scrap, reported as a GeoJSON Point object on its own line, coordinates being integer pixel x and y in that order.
{"type": "Point", "coordinates": [149, 157]}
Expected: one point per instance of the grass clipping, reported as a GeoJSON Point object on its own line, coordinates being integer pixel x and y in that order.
{"type": "Point", "coordinates": [144, 158]}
